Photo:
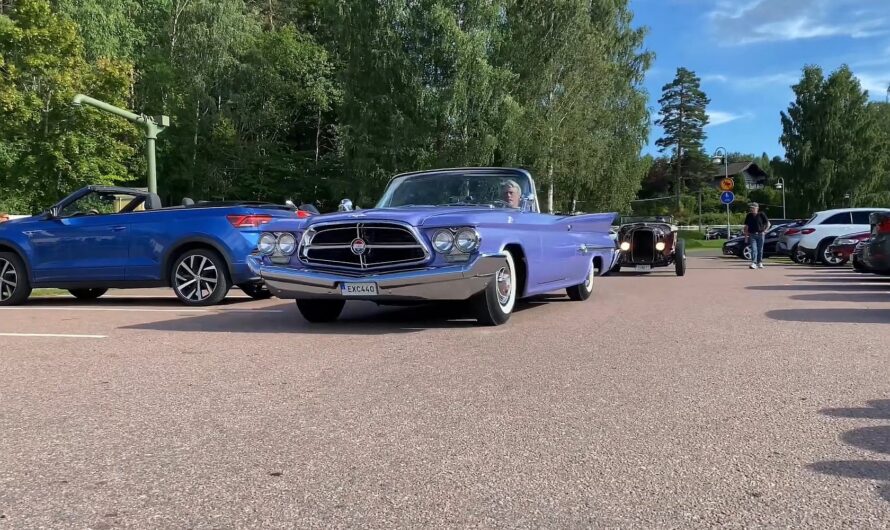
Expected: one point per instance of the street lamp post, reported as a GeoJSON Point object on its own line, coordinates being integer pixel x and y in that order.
{"type": "Point", "coordinates": [151, 126]}
{"type": "Point", "coordinates": [725, 158]}
{"type": "Point", "coordinates": [781, 186]}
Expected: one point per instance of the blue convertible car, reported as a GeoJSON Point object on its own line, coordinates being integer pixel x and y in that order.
{"type": "Point", "coordinates": [111, 237]}
{"type": "Point", "coordinates": [468, 234]}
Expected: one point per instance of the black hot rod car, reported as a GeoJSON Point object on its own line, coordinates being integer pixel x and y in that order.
{"type": "Point", "coordinates": [647, 242]}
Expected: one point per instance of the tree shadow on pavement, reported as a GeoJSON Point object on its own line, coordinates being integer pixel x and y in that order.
{"type": "Point", "coordinates": [358, 318]}
{"type": "Point", "coordinates": [124, 302]}
{"type": "Point", "coordinates": [844, 297]}
{"type": "Point", "coordinates": [832, 315]}
{"type": "Point", "coordinates": [845, 279]}
{"type": "Point", "coordinates": [875, 439]}
{"type": "Point", "coordinates": [821, 287]}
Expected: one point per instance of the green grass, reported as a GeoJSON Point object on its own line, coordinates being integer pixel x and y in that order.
{"type": "Point", "coordinates": [709, 243]}
{"type": "Point", "coordinates": [49, 292]}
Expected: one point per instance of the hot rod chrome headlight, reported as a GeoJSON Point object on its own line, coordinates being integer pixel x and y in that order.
{"type": "Point", "coordinates": [466, 240]}
{"type": "Point", "coordinates": [625, 245]}
{"type": "Point", "coordinates": [659, 246]}
{"type": "Point", "coordinates": [266, 244]}
{"type": "Point", "coordinates": [287, 244]}
{"type": "Point", "coordinates": [443, 241]}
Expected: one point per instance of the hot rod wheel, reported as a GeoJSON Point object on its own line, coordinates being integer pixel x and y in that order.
{"type": "Point", "coordinates": [680, 257]}
{"type": "Point", "coordinates": [494, 305]}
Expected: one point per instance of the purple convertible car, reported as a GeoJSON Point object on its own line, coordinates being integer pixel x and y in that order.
{"type": "Point", "coordinates": [465, 234]}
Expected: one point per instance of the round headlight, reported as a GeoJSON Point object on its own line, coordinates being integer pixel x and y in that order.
{"type": "Point", "coordinates": [287, 244]}
{"type": "Point", "coordinates": [266, 244]}
{"type": "Point", "coordinates": [443, 241]}
{"type": "Point", "coordinates": [466, 240]}
{"type": "Point", "coordinates": [659, 246]}
{"type": "Point", "coordinates": [625, 246]}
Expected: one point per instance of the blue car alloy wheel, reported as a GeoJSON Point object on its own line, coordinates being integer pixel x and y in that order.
{"type": "Point", "coordinates": [199, 278]}
{"type": "Point", "coordinates": [14, 286]}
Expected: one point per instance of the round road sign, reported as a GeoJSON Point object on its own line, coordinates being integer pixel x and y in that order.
{"type": "Point", "coordinates": [727, 197]}
{"type": "Point", "coordinates": [726, 184]}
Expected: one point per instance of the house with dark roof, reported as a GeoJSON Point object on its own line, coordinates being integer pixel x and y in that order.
{"type": "Point", "coordinates": [755, 177]}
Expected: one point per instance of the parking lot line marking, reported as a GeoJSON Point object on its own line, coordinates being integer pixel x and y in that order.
{"type": "Point", "coordinates": [53, 335]}
{"type": "Point", "coordinates": [141, 309]}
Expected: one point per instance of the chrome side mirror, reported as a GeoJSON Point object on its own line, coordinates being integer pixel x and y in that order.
{"type": "Point", "coordinates": [345, 206]}
{"type": "Point", "coordinates": [527, 203]}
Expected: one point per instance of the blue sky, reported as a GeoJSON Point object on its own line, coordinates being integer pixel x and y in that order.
{"type": "Point", "coordinates": [748, 53]}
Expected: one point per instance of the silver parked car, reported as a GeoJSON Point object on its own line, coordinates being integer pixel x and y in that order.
{"type": "Point", "coordinates": [789, 239]}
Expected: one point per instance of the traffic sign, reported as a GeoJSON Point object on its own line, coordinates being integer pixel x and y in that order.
{"type": "Point", "coordinates": [727, 197]}
{"type": "Point", "coordinates": [727, 184]}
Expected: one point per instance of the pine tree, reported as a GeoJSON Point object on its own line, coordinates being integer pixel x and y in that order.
{"type": "Point", "coordinates": [683, 118]}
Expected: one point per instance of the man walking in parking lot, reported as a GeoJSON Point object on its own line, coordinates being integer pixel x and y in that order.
{"type": "Point", "coordinates": [756, 225]}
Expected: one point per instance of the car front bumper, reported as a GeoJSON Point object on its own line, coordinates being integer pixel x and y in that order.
{"type": "Point", "coordinates": [876, 256]}
{"type": "Point", "coordinates": [451, 282]}
{"type": "Point", "coordinates": [809, 253]}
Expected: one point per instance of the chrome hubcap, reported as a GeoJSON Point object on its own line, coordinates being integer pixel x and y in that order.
{"type": "Point", "coordinates": [196, 278]}
{"type": "Point", "coordinates": [747, 253]}
{"type": "Point", "coordinates": [505, 282]}
{"type": "Point", "coordinates": [8, 280]}
{"type": "Point", "coordinates": [588, 284]}
{"type": "Point", "coordinates": [829, 257]}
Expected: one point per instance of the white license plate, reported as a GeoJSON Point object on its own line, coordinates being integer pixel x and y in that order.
{"type": "Point", "coordinates": [643, 268]}
{"type": "Point", "coordinates": [358, 289]}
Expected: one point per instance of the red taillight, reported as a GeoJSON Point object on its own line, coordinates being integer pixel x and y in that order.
{"type": "Point", "coordinates": [248, 221]}
{"type": "Point", "coordinates": [806, 231]}
{"type": "Point", "coordinates": [303, 214]}
{"type": "Point", "coordinates": [792, 231]}
{"type": "Point", "coordinates": [883, 227]}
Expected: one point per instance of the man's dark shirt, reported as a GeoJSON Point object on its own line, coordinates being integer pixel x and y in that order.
{"type": "Point", "coordinates": [756, 222]}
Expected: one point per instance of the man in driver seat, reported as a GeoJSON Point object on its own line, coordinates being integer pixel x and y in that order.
{"type": "Point", "coordinates": [511, 193]}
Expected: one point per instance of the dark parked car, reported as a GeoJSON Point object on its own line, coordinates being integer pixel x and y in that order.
{"type": "Point", "coordinates": [647, 242]}
{"type": "Point", "coordinates": [843, 246]}
{"type": "Point", "coordinates": [738, 247]}
{"type": "Point", "coordinates": [856, 257]}
{"type": "Point", "coordinates": [102, 237]}
{"type": "Point", "coordinates": [718, 232]}
{"type": "Point", "coordinates": [876, 253]}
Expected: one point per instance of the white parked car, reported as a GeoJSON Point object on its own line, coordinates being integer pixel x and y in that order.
{"type": "Point", "coordinates": [824, 226]}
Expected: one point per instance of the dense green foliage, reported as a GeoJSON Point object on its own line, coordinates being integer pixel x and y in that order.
{"type": "Point", "coordinates": [836, 143]}
{"type": "Point", "coordinates": [321, 99]}
{"type": "Point", "coordinates": [47, 146]}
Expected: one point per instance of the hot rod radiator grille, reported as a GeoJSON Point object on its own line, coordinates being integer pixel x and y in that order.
{"type": "Point", "coordinates": [643, 246]}
{"type": "Point", "coordinates": [361, 246]}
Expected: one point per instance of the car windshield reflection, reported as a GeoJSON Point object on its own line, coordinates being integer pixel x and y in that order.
{"type": "Point", "coordinates": [456, 189]}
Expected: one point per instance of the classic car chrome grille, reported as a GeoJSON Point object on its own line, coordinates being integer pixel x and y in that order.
{"type": "Point", "coordinates": [643, 246]}
{"type": "Point", "coordinates": [362, 246]}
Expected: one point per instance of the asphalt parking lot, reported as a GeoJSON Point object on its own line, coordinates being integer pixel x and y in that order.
{"type": "Point", "coordinates": [728, 397]}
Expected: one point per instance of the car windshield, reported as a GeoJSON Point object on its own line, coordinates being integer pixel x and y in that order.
{"type": "Point", "coordinates": [499, 190]}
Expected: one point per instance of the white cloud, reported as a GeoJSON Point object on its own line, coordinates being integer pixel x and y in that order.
{"type": "Point", "coordinates": [717, 78]}
{"type": "Point", "coordinates": [787, 20]}
{"type": "Point", "coordinates": [875, 83]}
{"type": "Point", "coordinates": [719, 117]}
{"type": "Point", "coordinates": [749, 83]}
